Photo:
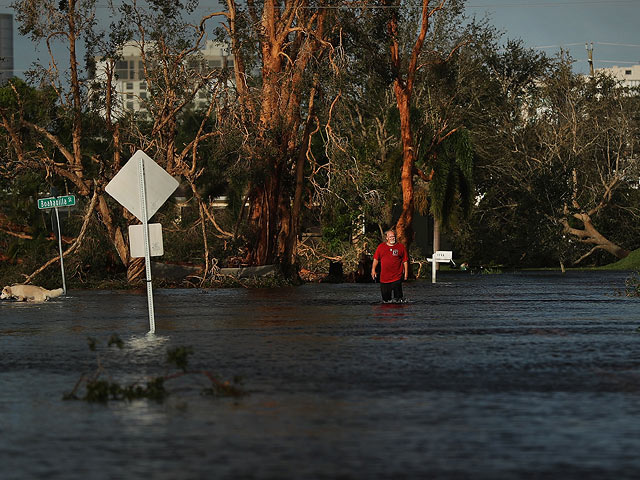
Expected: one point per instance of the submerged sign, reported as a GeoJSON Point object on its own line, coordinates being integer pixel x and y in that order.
{"type": "Point", "coordinates": [55, 202]}
{"type": "Point", "coordinates": [142, 186]}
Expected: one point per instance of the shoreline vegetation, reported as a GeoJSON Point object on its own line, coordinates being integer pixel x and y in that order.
{"type": "Point", "coordinates": [171, 276]}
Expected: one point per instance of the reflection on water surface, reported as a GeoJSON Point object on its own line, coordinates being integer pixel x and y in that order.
{"type": "Point", "coordinates": [491, 376]}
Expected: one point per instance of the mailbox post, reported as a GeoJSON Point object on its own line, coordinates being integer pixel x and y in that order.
{"type": "Point", "coordinates": [441, 256]}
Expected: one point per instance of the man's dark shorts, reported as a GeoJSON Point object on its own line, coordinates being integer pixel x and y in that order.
{"type": "Point", "coordinates": [387, 289]}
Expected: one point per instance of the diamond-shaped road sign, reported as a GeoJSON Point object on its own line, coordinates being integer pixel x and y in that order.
{"type": "Point", "coordinates": [159, 185]}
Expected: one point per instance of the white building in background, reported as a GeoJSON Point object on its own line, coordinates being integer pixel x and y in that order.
{"type": "Point", "coordinates": [6, 48]}
{"type": "Point", "coordinates": [629, 76]}
{"type": "Point", "coordinates": [130, 84]}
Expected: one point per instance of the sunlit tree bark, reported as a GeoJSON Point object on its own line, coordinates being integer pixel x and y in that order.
{"type": "Point", "coordinates": [405, 73]}
{"type": "Point", "coordinates": [291, 37]}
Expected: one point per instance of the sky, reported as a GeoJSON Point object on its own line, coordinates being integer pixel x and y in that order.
{"type": "Point", "coordinates": [612, 26]}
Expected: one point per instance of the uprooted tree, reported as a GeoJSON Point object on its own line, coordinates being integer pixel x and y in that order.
{"type": "Point", "coordinates": [84, 135]}
{"type": "Point", "coordinates": [589, 134]}
{"type": "Point", "coordinates": [565, 152]}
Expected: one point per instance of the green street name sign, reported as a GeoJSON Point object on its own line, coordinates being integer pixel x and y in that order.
{"type": "Point", "coordinates": [54, 202]}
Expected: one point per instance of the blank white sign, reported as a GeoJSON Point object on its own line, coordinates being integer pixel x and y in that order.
{"type": "Point", "coordinates": [136, 240]}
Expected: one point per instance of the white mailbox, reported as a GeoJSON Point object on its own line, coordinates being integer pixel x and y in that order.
{"type": "Point", "coordinates": [441, 256]}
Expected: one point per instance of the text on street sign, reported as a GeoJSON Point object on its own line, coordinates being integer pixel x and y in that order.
{"type": "Point", "coordinates": [54, 202]}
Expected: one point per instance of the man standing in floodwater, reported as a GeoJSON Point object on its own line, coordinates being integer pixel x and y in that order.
{"type": "Point", "coordinates": [394, 266]}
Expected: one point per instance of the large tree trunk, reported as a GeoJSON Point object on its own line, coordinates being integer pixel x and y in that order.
{"type": "Point", "coordinates": [404, 226]}
{"type": "Point", "coordinates": [291, 229]}
{"type": "Point", "coordinates": [76, 131]}
{"type": "Point", "coordinates": [436, 235]}
{"type": "Point", "coordinates": [136, 270]}
{"type": "Point", "coordinates": [115, 234]}
{"type": "Point", "coordinates": [264, 219]}
{"type": "Point", "coordinates": [291, 34]}
{"type": "Point", "coordinates": [436, 238]}
{"type": "Point", "coordinates": [590, 235]}
{"type": "Point", "coordinates": [403, 87]}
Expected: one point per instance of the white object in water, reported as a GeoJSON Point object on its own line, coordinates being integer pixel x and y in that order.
{"type": "Point", "coordinates": [441, 256]}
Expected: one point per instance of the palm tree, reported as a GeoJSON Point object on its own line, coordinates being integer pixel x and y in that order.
{"type": "Point", "coordinates": [451, 188]}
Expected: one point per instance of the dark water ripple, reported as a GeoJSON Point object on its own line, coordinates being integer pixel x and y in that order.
{"type": "Point", "coordinates": [485, 377]}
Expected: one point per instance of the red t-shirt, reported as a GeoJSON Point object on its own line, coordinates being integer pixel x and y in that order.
{"type": "Point", "coordinates": [391, 258]}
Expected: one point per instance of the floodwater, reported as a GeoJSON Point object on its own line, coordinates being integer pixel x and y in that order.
{"type": "Point", "coordinates": [518, 375]}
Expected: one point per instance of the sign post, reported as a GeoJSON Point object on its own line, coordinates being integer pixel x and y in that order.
{"type": "Point", "coordinates": [55, 203]}
{"type": "Point", "coordinates": [142, 186]}
{"type": "Point", "coordinates": [145, 234]}
{"type": "Point", "coordinates": [441, 256]}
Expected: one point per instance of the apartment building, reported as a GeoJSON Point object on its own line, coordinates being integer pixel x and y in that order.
{"type": "Point", "coordinates": [130, 84]}
{"type": "Point", "coordinates": [629, 76]}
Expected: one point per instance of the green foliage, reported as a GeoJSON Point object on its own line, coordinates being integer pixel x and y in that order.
{"type": "Point", "coordinates": [365, 37]}
{"type": "Point", "coordinates": [179, 357]}
{"type": "Point", "coordinates": [38, 105]}
{"type": "Point", "coordinates": [102, 391]}
{"type": "Point", "coordinates": [19, 197]}
{"type": "Point", "coordinates": [537, 123]}
{"type": "Point", "coordinates": [452, 182]}
{"type": "Point", "coordinates": [630, 262]}
{"type": "Point", "coordinates": [632, 285]}
{"type": "Point", "coordinates": [518, 146]}
{"type": "Point", "coordinates": [101, 387]}
{"type": "Point", "coordinates": [392, 169]}
{"type": "Point", "coordinates": [337, 228]}
{"type": "Point", "coordinates": [491, 271]}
